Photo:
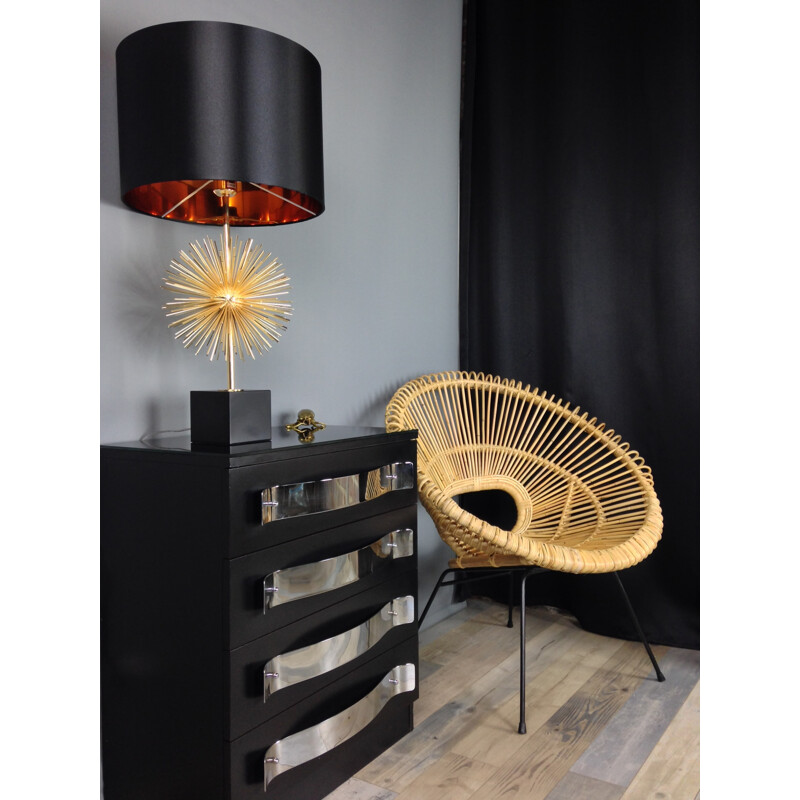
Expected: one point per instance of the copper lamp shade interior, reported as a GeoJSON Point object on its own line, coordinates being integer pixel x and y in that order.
{"type": "Point", "coordinates": [219, 122]}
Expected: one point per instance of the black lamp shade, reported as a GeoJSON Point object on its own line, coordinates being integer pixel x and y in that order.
{"type": "Point", "coordinates": [212, 105]}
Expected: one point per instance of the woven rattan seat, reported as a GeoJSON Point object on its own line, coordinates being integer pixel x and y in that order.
{"type": "Point", "coordinates": [585, 501]}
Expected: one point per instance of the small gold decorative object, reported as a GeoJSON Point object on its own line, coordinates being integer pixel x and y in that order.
{"type": "Point", "coordinates": [305, 425]}
{"type": "Point", "coordinates": [230, 299]}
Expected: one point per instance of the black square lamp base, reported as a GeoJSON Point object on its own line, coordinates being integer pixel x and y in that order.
{"type": "Point", "coordinates": [222, 418]}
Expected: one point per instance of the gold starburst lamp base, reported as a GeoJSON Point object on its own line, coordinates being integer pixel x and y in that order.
{"type": "Point", "coordinates": [231, 301]}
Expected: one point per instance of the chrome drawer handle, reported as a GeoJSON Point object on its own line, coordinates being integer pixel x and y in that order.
{"type": "Point", "coordinates": [306, 580]}
{"type": "Point", "coordinates": [301, 747]}
{"type": "Point", "coordinates": [329, 494]}
{"type": "Point", "coordinates": [299, 665]}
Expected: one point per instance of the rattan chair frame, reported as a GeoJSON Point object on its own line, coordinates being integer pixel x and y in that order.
{"type": "Point", "coordinates": [585, 500]}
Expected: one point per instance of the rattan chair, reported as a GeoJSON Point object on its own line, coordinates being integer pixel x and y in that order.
{"type": "Point", "coordinates": [585, 501]}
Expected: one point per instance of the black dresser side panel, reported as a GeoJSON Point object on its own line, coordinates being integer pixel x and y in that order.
{"type": "Point", "coordinates": [162, 707]}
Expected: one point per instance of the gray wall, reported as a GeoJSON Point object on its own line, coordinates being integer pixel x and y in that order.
{"type": "Point", "coordinates": [374, 280]}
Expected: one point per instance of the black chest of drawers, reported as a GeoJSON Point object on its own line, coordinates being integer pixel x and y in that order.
{"type": "Point", "coordinates": [258, 613]}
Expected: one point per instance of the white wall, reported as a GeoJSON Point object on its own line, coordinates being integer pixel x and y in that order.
{"type": "Point", "coordinates": [374, 280]}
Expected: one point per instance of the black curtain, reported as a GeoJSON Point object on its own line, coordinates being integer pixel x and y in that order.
{"type": "Point", "coordinates": [580, 253]}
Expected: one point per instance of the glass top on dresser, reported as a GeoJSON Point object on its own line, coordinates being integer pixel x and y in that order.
{"type": "Point", "coordinates": [282, 442]}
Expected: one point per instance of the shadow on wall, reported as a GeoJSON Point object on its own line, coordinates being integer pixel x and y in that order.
{"type": "Point", "coordinates": [157, 414]}
{"type": "Point", "coordinates": [375, 408]}
{"type": "Point", "coordinates": [143, 299]}
{"type": "Point", "coordinates": [109, 151]}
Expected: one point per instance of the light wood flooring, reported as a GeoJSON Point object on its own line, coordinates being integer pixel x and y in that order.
{"type": "Point", "coordinates": [600, 727]}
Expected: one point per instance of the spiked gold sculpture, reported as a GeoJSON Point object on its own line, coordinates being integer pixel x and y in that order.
{"type": "Point", "coordinates": [230, 299]}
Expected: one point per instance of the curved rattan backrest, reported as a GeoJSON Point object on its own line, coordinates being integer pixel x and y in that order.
{"type": "Point", "coordinates": [576, 485]}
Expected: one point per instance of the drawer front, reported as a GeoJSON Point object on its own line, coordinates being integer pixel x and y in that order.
{"type": "Point", "coordinates": [315, 572]}
{"type": "Point", "coordinates": [292, 664]}
{"type": "Point", "coordinates": [358, 716]}
{"type": "Point", "coordinates": [282, 502]}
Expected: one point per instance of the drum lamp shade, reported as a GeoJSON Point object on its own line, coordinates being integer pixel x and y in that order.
{"type": "Point", "coordinates": [211, 106]}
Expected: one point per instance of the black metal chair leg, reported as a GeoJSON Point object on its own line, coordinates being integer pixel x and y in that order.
{"type": "Point", "coordinates": [510, 622]}
{"type": "Point", "coordinates": [433, 594]}
{"type": "Point", "coordinates": [522, 727]}
{"type": "Point", "coordinates": [659, 674]}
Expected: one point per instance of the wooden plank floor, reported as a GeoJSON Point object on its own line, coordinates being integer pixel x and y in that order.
{"type": "Point", "coordinates": [600, 727]}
